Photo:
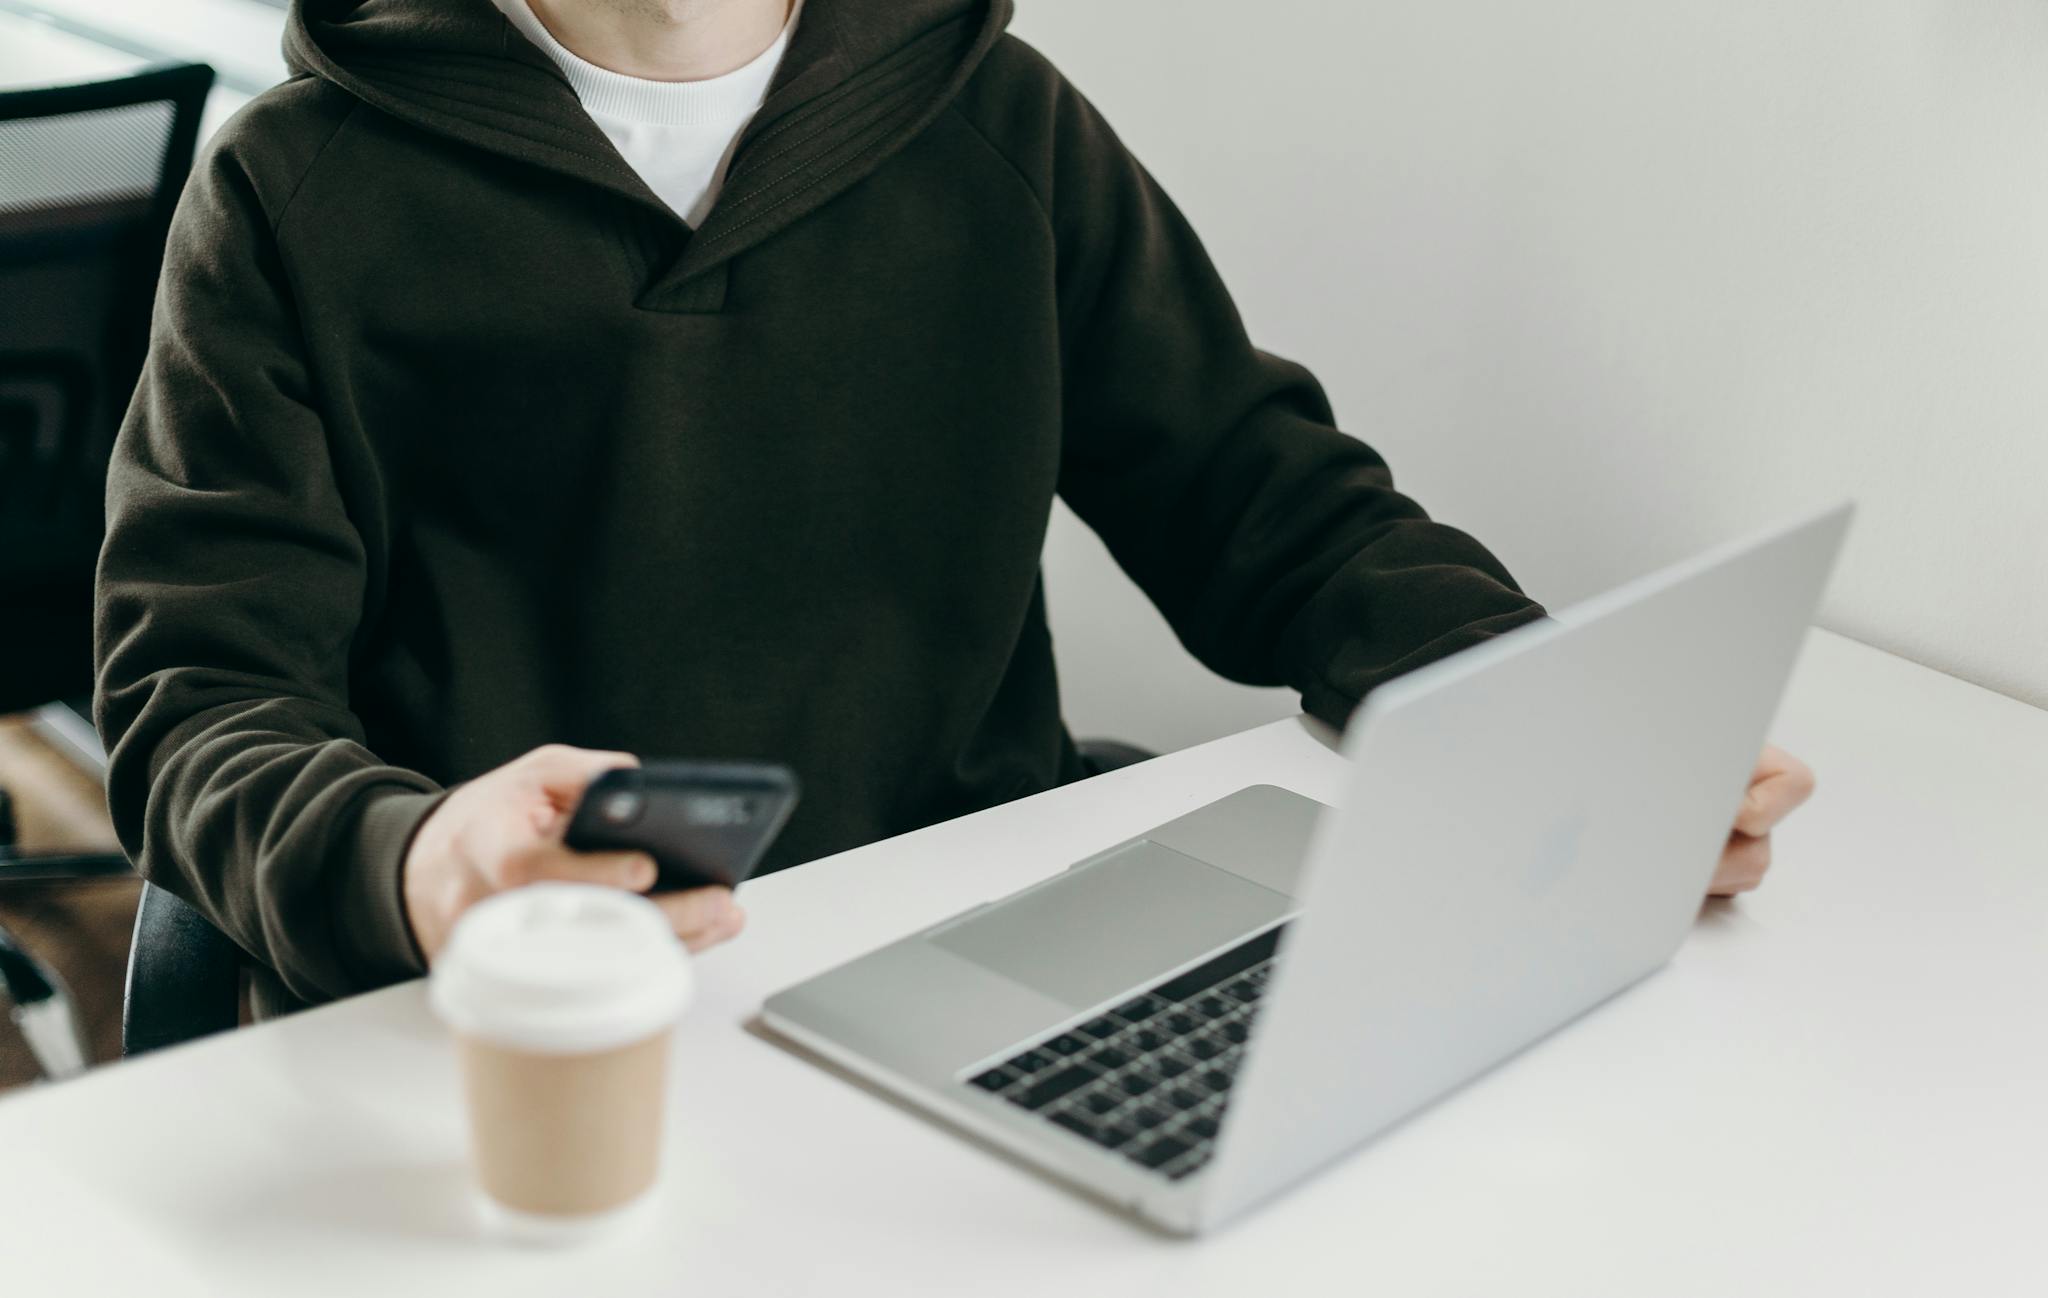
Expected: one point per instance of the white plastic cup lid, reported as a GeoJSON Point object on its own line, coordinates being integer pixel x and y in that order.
{"type": "Point", "coordinates": [561, 968]}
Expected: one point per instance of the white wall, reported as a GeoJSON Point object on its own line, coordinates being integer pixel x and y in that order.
{"type": "Point", "coordinates": [1607, 281]}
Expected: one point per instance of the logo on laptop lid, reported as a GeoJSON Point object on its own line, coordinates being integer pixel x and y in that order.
{"type": "Point", "coordinates": [1554, 852]}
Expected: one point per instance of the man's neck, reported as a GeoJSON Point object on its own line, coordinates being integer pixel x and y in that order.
{"type": "Point", "coordinates": [665, 40]}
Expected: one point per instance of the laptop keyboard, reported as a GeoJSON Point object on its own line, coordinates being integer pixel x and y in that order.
{"type": "Point", "coordinates": [1150, 1078]}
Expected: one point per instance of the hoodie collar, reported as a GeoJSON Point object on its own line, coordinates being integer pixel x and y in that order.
{"type": "Point", "coordinates": [860, 79]}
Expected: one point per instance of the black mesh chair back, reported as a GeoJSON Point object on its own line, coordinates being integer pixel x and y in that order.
{"type": "Point", "coordinates": [89, 175]}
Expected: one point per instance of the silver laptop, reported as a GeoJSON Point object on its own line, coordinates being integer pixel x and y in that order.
{"type": "Point", "coordinates": [1192, 1021]}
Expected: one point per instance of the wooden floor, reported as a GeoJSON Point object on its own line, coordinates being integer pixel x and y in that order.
{"type": "Point", "coordinates": [80, 928]}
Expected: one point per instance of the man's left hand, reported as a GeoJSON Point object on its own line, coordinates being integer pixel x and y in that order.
{"type": "Point", "coordinates": [1776, 788]}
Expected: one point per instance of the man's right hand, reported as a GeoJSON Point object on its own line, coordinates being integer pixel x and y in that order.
{"type": "Point", "coordinates": [504, 829]}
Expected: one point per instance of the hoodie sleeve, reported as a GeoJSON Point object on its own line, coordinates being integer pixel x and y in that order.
{"type": "Point", "coordinates": [230, 590]}
{"type": "Point", "coordinates": [1276, 546]}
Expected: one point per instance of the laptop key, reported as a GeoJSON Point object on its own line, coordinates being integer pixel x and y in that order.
{"type": "Point", "coordinates": [1244, 989]}
{"type": "Point", "coordinates": [1206, 1128]}
{"type": "Point", "coordinates": [1109, 1057]}
{"type": "Point", "coordinates": [1100, 1102]}
{"type": "Point", "coordinates": [1163, 1151]}
{"type": "Point", "coordinates": [1114, 1135]}
{"type": "Point", "coordinates": [1216, 1079]}
{"type": "Point", "coordinates": [1169, 1066]}
{"type": "Point", "coordinates": [1102, 1027]}
{"type": "Point", "coordinates": [1202, 1048]}
{"type": "Point", "coordinates": [1137, 1011]}
{"type": "Point", "coordinates": [1146, 1115]}
{"type": "Point", "coordinates": [1183, 1098]}
{"type": "Point", "coordinates": [1047, 1089]}
{"type": "Point", "coordinates": [1183, 1023]}
{"type": "Point", "coordinates": [1236, 1032]}
{"type": "Point", "coordinates": [1068, 1044]}
{"type": "Point", "coordinates": [1148, 1039]}
{"type": "Point", "coordinates": [1075, 1123]}
{"type": "Point", "coordinates": [1030, 1061]}
{"type": "Point", "coordinates": [1213, 1006]}
{"type": "Point", "coordinates": [995, 1079]}
{"type": "Point", "coordinates": [1135, 1083]}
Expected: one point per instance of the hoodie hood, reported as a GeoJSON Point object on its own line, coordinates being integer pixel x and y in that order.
{"type": "Point", "coordinates": [860, 78]}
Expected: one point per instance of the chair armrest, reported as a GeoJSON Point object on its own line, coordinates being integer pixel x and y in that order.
{"type": "Point", "coordinates": [42, 867]}
{"type": "Point", "coordinates": [184, 976]}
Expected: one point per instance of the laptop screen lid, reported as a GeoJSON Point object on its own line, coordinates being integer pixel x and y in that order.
{"type": "Point", "coordinates": [1528, 828]}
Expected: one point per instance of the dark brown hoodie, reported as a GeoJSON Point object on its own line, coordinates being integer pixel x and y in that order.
{"type": "Point", "coordinates": [453, 441]}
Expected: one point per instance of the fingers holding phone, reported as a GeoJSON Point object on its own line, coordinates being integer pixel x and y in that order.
{"type": "Point", "coordinates": [504, 830]}
{"type": "Point", "coordinates": [702, 917]}
{"type": "Point", "coordinates": [706, 825]}
{"type": "Point", "coordinates": [687, 831]}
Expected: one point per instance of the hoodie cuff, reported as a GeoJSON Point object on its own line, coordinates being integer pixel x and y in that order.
{"type": "Point", "coordinates": [375, 937]}
{"type": "Point", "coordinates": [1329, 705]}
{"type": "Point", "coordinates": [1334, 697]}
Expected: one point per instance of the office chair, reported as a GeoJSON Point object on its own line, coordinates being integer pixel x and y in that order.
{"type": "Point", "coordinates": [89, 176]}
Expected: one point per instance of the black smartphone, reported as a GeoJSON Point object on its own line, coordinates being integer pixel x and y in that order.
{"type": "Point", "coordinates": [702, 822]}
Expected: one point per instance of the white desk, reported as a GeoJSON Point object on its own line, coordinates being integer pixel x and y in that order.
{"type": "Point", "coordinates": [1837, 1087]}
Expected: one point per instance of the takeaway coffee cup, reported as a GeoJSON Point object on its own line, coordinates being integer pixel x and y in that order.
{"type": "Point", "coordinates": [562, 998]}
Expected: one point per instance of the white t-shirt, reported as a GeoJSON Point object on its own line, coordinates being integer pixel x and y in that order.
{"type": "Point", "coordinates": [678, 135]}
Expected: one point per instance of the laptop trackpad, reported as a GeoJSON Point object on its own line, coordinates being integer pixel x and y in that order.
{"type": "Point", "coordinates": [1124, 921]}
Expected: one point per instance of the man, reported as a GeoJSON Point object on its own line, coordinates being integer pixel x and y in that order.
{"type": "Point", "coordinates": [686, 377]}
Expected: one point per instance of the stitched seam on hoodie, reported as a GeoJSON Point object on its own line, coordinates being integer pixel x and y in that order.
{"type": "Point", "coordinates": [909, 54]}
{"type": "Point", "coordinates": [1044, 209]}
{"type": "Point", "coordinates": [800, 190]}
{"type": "Point", "coordinates": [805, 112]}
{"type": "Point", "coordinates": [278, 221]}
{"type": "Point", "coordinates": [765, 186]}
{"type": "Point", "coordinates": [881, 93]}
{"type": "Point", "coordinates": [426, 91]}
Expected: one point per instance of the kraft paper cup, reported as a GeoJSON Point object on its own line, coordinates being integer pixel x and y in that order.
{"type": "Point", "coordinates": [562, 998]}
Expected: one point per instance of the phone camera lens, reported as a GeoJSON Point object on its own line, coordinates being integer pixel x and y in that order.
{"type": "Point", "coordinates": [622, 808]}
